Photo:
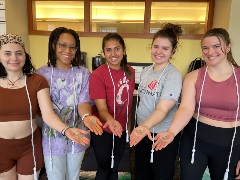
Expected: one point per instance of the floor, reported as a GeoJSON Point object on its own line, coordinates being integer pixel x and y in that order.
{"type": "Point", "coordinates": [89, 167]}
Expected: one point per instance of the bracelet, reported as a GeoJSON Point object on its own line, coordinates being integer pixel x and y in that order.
{"type": "Point", "coordinates": [64, 131]}
{"type": "Point", "coordinates": [85, 115]}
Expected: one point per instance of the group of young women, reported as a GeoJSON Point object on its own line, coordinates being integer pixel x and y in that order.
{"type": "Point", "coordinates": [71, 101]}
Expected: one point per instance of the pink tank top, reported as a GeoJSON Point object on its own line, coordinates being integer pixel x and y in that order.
{"type": "Point", "coordinates": [219, 99]}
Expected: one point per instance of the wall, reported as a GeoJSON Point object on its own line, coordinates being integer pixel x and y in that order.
{"type": "Point", "coordinates": [137, 49]}
{"type": "Point", "coordinates": [234, 29]}
{"type": "Point", "coordinates": [16, 19]}
{"type": "Point", "coordinates": [222, 15]}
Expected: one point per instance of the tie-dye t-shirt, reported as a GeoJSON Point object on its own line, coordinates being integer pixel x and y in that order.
{"type": "Point", "coordinates": [63, 85]}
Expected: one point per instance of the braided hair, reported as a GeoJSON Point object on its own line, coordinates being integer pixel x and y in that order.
{"type": "Point", "coordinates": [53, 40]}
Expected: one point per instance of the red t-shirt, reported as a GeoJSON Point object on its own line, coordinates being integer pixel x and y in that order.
{"type": "Point", "coordinates": [101, 87]}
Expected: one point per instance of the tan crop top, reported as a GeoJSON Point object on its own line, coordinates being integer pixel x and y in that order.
{"type": "Point", "coordinates": [14, 104]}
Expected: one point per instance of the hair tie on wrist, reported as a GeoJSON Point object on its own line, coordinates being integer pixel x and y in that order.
{"type": "Point", "coordinates": [85, 115]}
{"type": "Point", "coordinates": [64, 131]}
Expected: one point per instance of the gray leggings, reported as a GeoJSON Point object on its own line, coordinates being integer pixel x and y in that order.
{"type": "Point", "coordinates": [65, 167]}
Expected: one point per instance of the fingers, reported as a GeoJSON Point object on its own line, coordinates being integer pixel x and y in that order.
{"type": "Point", "coordinates": [95, 126]}
{"type": "Point", "coordinates": [137, 135]}
{"type": "Point", "coordinates": [80, 138]}
{"type": "Point", "coordinates": [238, 170]}
{"type": "Point", "coordinates": [149, 136]}
{"type": "Point", "coordinates": [162, 140]}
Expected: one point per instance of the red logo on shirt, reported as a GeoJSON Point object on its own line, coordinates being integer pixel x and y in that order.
{"type": "Point", "coordinates": [152, 85]}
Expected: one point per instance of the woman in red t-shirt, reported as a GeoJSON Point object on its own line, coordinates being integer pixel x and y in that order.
{"type": "Point", "coordinates": [111, 88]}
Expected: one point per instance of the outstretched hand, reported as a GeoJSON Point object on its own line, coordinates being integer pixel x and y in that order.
{"type": "Point", "coordinates": [114, 126]}
{"type": "Point", "coordinates": [94, 124]}
{"type": "Point", "coordinates": [138, 134]}
{"type": "Point", "coordinates": [162, 139]}
{"type": "Point", "coordinates": [238, 170]}
{"type": "Point", "coordinates": [77, 135]}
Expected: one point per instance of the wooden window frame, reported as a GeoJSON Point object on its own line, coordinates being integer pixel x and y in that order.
{"type": "Point", "coordinates": [32, 26]}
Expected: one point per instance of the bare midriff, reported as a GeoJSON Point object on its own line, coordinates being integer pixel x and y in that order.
{"type": "Point", "coordinates": [216, 123]}
{"type": "Point", "coordinates": [16, 129]}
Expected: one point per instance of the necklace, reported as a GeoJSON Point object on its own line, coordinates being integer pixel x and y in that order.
{"type": "Point", "coordinates": [12, 84]}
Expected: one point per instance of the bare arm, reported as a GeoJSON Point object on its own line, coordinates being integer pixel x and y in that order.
{"type": "Point", "coordinates": [92, 122]}
{"type": "Point", "coordinates": [187, 106]}
{"type": "Point", "coordinates": [183, 114]}
{"type": "Point", "coordinates": [114, 125]}
{"type": "Point", "coordinates": [53, 121]}
{"type": "Point", "coordinates": [162, 109]}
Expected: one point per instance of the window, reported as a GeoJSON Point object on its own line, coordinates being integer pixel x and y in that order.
{"type": "Point", "coordinates": [139, 18]}
{"type": "Point", "coordinates": [124, 17]}
{"type": "Point", "coordinates": [192, 16]}
{"type": "Point", "coordinates": [52, 14]}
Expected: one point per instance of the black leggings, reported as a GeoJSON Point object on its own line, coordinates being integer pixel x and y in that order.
{"type": "Point", "coordinates": [102, 146]}
{"type": "Point", "coordinates": [163, 164]}
{"type": "Point", "coordinates": [209, 151]}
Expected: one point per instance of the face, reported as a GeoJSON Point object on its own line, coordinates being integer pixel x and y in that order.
{"type": "Point", "coordinates": [161, 51]}
{"type": "Point", "coordinates": [13, 57]}
{"type": "Point", "coordinates": [65, 51]}
{"type": "Point", "coordinates": [113, 52]}
{"type": "Point", "coordinates": [214, 51]}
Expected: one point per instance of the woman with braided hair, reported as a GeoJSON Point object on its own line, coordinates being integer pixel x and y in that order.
{"type": "Point", "coordinates": [22, 91]}
{"type": "Point", "coordinates": [69, 90]}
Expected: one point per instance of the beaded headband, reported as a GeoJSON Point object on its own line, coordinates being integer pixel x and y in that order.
{"type": "Point", "coordinates": [11, 38]}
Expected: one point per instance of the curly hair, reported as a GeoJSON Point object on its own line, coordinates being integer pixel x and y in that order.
{"type": "Point", "coordinates": [27, 69]}
{"type": "Point", "coordinates": [53, 40]}
{"type": "Point", "coordinates": [118, 38]}
{"type": "Point", "coordinates": [171, 32]}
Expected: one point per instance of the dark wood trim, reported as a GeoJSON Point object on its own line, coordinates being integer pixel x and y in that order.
{"type": "Point", "coordinates": [147, 16]}
{"type": "Point", "coordinates": [32, 25]}
{"type": "Point", "coordinates": [210, 15]}
{"type": "Point", "coordinates": [31, 7]}
{"type": "Point", "coordinates": [124, 35]}
{"type": "Point", "coordinates": [87, 16]}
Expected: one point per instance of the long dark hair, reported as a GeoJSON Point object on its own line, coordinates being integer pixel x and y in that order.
{"type": "Point", "coordinates": [171, 32]}
{"type": "Point", "coordinates": [123, 64]}
{"type": "Point", "coordinates": [223, 35]}
{"type": "Point", "coordinates": [27, 69]}
{"type": "Point", "coordinates": [53, 39]}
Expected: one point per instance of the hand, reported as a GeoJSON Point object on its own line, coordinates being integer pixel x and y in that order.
{"type": "Point", "coordinates": [138, 134]}
{"type": "Point", "coordinates": [238, 170]}
{"type": "Point", "coordinates": [114, 126]}
{"type": "Point", "coordinates": [77, 135]}
{"type": "Point", "coordinates": [162, 140]}
{"type": "Point", "coordinates": [94, 124]}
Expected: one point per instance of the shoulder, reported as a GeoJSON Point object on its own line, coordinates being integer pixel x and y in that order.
{"type": "Point", "coordinates": [43, 70]}
{"type": "Point", "coordinates": [145, 69]}
{"type": "Point", "coordinates": [82, 69]}
{"type": "Point", "coordinates": [130, 68]}
{"type": "Point", "coordinates": [37, 80]}
{"type": "Point", "coordinates": [192, 76]}
{"type": "Point", "coordinates": [173, 70]}
{"type": "Point", "coordinates": [36, 77]}
{"type": "Point", "coordinates": [100, 71]}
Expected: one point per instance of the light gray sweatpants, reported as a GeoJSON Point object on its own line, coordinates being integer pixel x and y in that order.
{"type": "Point", "coordinates": [66, 167]}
